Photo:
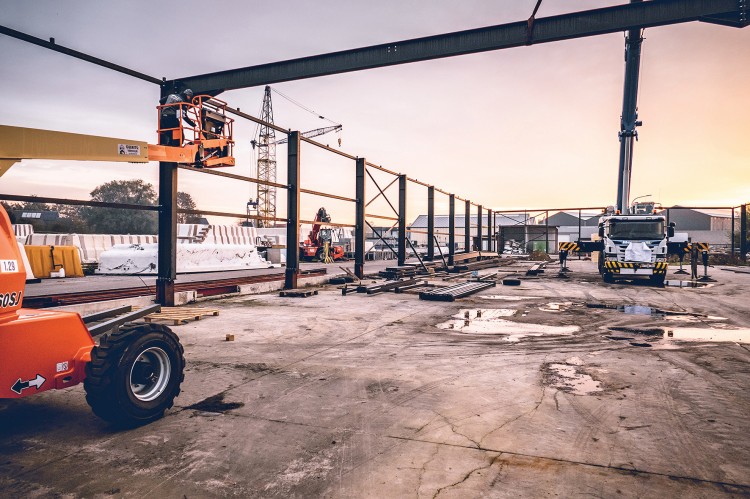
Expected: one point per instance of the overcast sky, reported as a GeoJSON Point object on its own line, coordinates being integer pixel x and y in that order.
{"type": "Point", "coordinates": [526, 127]}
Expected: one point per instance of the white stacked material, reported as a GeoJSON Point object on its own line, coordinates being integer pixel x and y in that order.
{"type": "Point", "coordinates": [26, 265]}
{"type": "Point", "coordinates": [22, 232]}
{"type": "Point", "coordinates": [222, 247]}
{"type": "Point", "coordinates": [91, 246]}
{"type": "Point", "coordinates": [50, 240]}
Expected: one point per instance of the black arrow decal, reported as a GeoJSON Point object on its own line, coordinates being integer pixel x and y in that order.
{"type": "Point", "coordinates": [19, 386]}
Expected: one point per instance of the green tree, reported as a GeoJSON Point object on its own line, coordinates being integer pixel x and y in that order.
{"type": "Point", "coordinates": [185, 202]}
{"type": "Point", "coordinates": [118, 220]}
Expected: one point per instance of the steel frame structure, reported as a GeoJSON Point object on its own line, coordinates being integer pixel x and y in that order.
{"type": "Point", "coordinates": [633, 16]}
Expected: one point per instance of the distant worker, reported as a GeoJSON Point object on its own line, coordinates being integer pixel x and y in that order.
{"type": "Point", "coordinates": [168, 117]}
{"type": "Point", "coordinates": [694, 254]}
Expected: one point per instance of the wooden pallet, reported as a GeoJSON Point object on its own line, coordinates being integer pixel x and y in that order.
{"type": "Point", "coordinates": [181, 315]}
{"type": "Point", "coordinates": [298, 293]}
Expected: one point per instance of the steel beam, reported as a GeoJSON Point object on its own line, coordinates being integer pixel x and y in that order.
{"type": "Point", "coordinates": [548, 29]}
{"type": "Point", "coordinates": [402, 219]}
{"type": "Point", "coordinates": [167, 246]}
{"type": "Point", "coordinates": [430, 223]}
{"type": "Point", "coordinates": [359, 227]}
{"type": "Point", "coordinates": [78, 55]}
{"type": "Point", "coordinates": [451, 228]}
{"type": "Point", "coordinates": [292, 216]}
{"type": "Point", "coordinates": [467, 226]}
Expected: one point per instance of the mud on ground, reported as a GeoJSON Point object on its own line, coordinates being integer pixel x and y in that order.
{"type": "Point", "coordinates": [365, 396]}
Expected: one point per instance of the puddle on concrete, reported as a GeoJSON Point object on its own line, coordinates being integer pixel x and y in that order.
{"type": "Point", "coordinates": [491, 321]}
{"type": "Point", "coordinates": [510, 298]}
{"type": "Point", "coordinates": [670, 315]}
{"type": "Point", "coordinates": [687, 284]}
{"type": "Point", "coordinates": [707, 334]}
{"type": "Point", "coordinates": [569, 378]}
{"type": "Point", "coordinates": [555, 307]}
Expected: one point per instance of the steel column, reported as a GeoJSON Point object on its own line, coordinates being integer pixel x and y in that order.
{"type": "Point", "coordinates": [733, 232]}
{"type": "Point", "coordinates": [489, 229]}
{"type": "Point", "coordinates": [430, 223]}
{"type": "Point", "coordinates": [292, 211]}
{"type": "Point", "coordinates": [467, 226]}
{"type": "Point", "coordinates": [546, 232]}
{"type": "Point", "coordinates": [743, 232]}
{"type": "Point", "coordinates": [480, 212]}
{"type": "Point", "coordinates": [401, 219]}
{"type": "Point", "coordinates": [359, 227]}
{"type": "Point", "coordinates": [167, 246]}
{"type": "Point", "coordinates": [451, 228]}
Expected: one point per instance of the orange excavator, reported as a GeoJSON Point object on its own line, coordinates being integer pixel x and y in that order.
{"type": "Point", "coordinates": [319, 243]}
{"type": "Point", "coordinates": [131, 377]}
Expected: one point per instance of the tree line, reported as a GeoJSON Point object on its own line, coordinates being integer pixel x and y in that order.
{"type": "Point", "coordinates": [92, 220]}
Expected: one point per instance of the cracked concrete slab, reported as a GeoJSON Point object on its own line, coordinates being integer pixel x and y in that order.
{"type": "Point", "coordinates": [363, 396]}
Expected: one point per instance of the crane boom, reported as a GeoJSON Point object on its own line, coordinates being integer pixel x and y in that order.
{"type": "Point", "coordinates": [314, 133]}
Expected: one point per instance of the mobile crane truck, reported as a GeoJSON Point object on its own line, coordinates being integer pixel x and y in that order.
{"type": "Point", "coordinates": [631, 246]}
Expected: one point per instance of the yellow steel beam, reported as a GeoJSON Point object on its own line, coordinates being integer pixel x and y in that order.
{"type": "Point", "coordinates": [17, 143]}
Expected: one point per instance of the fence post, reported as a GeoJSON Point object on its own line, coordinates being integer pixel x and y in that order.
{"type": "Point", "coordinates": [359, 228]}
{"type": "Point", "coordinates": [292, 212]}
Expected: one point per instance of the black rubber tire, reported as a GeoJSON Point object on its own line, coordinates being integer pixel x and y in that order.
{"type": "Point", "coordinates": [657, 280]}
{"type": "Point", "coordinates": [607, 277]}
{"type": "Point", "coordinates": [320, 255]}
{"type": "Point", "coordinates": [108, 375]}
{"type": "Point", "coordinates": [600, 263]}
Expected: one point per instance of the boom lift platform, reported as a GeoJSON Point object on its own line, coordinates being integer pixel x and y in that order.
{"type": "Point", "coordinates": [208, 144]}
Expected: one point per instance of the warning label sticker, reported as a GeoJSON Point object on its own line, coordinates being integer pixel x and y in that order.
{"type": "Point", "coordinates": [129, 150]}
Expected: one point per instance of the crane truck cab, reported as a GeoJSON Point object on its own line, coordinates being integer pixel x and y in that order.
{"type": "Point", "coordinates": [634, 245]}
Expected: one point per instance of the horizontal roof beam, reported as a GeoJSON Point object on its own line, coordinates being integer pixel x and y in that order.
{"type": "Point", "coordinates": [549, 29]}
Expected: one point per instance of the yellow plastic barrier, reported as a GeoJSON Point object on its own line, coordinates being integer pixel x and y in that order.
{"type": "Point", "coordinates": [47, 259]}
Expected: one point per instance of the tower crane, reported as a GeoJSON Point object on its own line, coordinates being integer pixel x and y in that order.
{"type": "Point", "coordinates": [266, 145]}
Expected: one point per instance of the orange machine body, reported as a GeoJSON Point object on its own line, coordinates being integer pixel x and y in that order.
{"type": "Point", "coordinates": [39, 350]}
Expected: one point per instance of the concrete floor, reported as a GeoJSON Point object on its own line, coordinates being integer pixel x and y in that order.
{"type": "Point", "coordinates": [363, 396]}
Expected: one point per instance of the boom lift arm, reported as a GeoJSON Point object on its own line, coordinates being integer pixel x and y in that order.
{"type": "Point", "coordinates": [208, 144]}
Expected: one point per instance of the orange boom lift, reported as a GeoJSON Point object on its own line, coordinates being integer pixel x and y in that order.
{"type": "Point", "coordinates": [134, 373]}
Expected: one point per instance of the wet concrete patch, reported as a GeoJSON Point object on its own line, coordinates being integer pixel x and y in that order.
{"type": "Point", "coordinates": [676, 283]}
{"type": "Point", "coordinates": [570, 377]}
{"type": "Point", "coordinates": [215, 404]}
{"type": "Point", "coordinates": [491, 321]}
{"type": "Point", "coordinates": [510, 298]}
{"type": "Point", "coordinates": [555, 306]}
{"type": "Point", "coordinates": [672, 315]}
{"type": "Point", "coordinates": [708, 334]}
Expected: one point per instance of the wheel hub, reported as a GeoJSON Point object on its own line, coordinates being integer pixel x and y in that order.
{"type": "Point", "coordinates": [150, 374]}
